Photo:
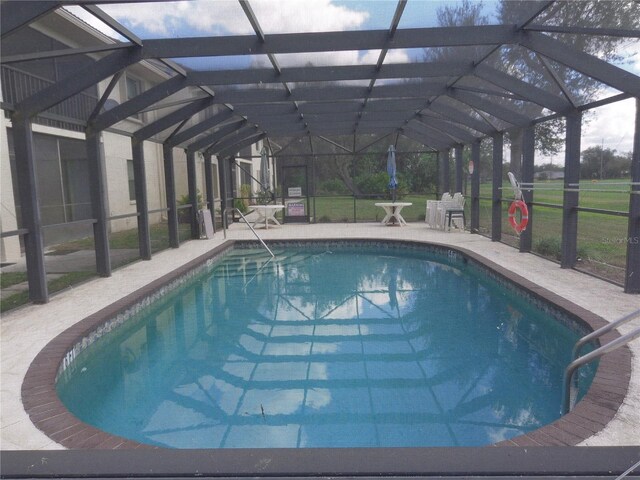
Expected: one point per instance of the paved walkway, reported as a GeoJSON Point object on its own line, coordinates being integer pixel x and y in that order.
{"type": "Point", "coordinates": [25, 331]}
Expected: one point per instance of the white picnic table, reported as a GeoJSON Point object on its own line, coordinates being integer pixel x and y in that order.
{"type": "Point", "coordinates": [392, 210]}
{"type": "Point", "coordinates": [266, 214]}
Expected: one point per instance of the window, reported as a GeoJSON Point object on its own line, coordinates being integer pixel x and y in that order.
{"type": "Point", "coordinates": [214, 178]}
{"type": "Point", "coordinates": [132, 183]}
{"type": "Point", "coordinates": [134, 88]}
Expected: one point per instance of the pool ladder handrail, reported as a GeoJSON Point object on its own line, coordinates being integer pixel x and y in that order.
{"type": "Point", "coordinates": [597, 353]}
{"type": "Point", "coordinates": [225, 226]}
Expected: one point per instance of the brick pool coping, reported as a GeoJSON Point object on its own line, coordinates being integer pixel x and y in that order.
{"type": "Point", "coordinates": [589, 416]}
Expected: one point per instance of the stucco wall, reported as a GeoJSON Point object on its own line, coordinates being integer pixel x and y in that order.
{"type": "Point", "coordinates": [117, 151]}
{"type": "Point", "coordinates": [10, 246]}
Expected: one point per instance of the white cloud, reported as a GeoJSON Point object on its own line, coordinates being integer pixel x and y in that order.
{"type": "Point", "coordinates": [286, 16]}
{"type": "Point", "coordinates": [208, 17]}
{"type": "Point", "coordinates": [611, 125]}
{"type": "Point", "coordinates": [225, 17]}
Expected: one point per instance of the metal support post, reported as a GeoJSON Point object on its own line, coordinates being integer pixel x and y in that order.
{"type": "Point", "coordinates": [528, 153]}
{"type": "Point", "coordinates": [99, 202]}
{"type": "Point", "coordinates": [446, 175]}
{"type": "Point", "coordinates": [208, 183]}
{"type": "Point", "coordinates": [193, 193]}
{"type": "Point", "coordinates": [30, 208]}
{"type": "Point", "coordinates": [496, 194]}
{"type": "Point", "coordinates": [170, 187]}
{"type": "Point", "coordinates": [142, 206]}
{"type": "Point", "coordinates": [475, 187]}
{"type": "Point", "coordinates": [223, 169]}
{"type": "Point", "coordinates": [459, 175]}
{"type": "Point", "coordinates": [569, 243]}
{"type": "Point", "coordinates": [632, 272]}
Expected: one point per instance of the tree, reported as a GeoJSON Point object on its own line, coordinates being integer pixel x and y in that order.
{"type": "Point", "coordinates": [529, 67]}
{"type": "Point", "coordinates": [599, 163]}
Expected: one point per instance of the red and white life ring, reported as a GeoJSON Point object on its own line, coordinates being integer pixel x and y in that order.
{"type": "Point", "coordinates": [524, 216]}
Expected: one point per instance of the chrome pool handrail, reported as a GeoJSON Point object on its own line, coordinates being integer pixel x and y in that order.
{"type": "Point", "coordinates": [601, 331]}
{"type": "Point", "coordinates": [597, 353]}
{"type": "Point", "coordinates": [225, 226]}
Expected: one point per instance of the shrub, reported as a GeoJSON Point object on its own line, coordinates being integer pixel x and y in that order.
{"type": "Point", "coordinates": [184, 216]}
{"type": "Point", "coordinates": [333, 185]}
{"type": "Point", "coordinates": [264, 196]}
{"type": "Point", "coordinates": [549, 247]}
{"type": "Point", "coordinates": [552, 247]}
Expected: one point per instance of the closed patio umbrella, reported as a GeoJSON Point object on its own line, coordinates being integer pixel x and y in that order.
{"type": "Point", "coordinates": [264, 169]}
{"type": "Point", "coordinates": [391, 170]}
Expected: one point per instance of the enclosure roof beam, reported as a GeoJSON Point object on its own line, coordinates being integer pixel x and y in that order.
{"type": "Point", "coordinates": [488, 91]}
{"type": "Point", "coordinates": [266, 110]}
{"type": "Point", "coordinates": [230, 140]}
{"type": "Point", "coordinates": [105, 96]}
{"type": "Point", "coordinates": [329, 117]}
{"type": "Point", "coordinates": [251, 16]}
{"type": "Point", "coordinates": [446, 127]}
{"type": "Point", "coordinates": [240, 145]}
{"type": "Point", "coordinates": [328, 93]}
{"type": "Point", "coordinates": [225, 132]}
{"type": "Point", "coordinates": [289, 133]}
{"type": "Point", "coordinates": [427, 141]}
{"type": "Point", "coordinates": [498, 111]}
{"type": "Point", "coordinates": [557, 80]}
{"type": "Point", "coordinates": [597, 31]}
{"type": "Point", "coordinates": [16, 15]}
{"type": "Point", "coordinates": [183, 113]}
{"type": "Point", "coordinates": [383, 53]}
{"type": "Point", "coordinates": [64, 52]}
{"type": "Point", "coordinates": [335, 144]}
{"type": "Point", "coordinates": [133, 106]}
{"type": "Point", "coordinates": [111, 22]}
{"type": "Point", "coordinates": [582, 62]}
{"type": "Point", "coordinates": [368, 145]}
{"type": "Point", "coordinates": [442, 137]}
{"type": "Point", "coordinates": [461, 117]}
{"type": "Point", "coordinates": [220, 134]}
{"type": "Point", "coordinates": [200, 127]}
{"type": "Point", "coordinates": [529, 92]}
{"type": "Point", "coordinates": [331, 73]}
{"type": "Point", "coordinates": [347, 123]}
{"type": "Point", "coordinates": [537, 8]}
{"type": "Point", "coordinates": [353, 105]}
{"type": "Point", "coordinates": [337, 130]}
{"type": "Point", "coordinates": [329, 41]}
{"type": "Point", "coordinates": [78, 81]}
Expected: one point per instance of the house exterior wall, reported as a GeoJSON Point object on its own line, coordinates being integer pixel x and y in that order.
{"type": "Point", "coordinates": [116, 143]}
{"type": "Point", "coordinates": [9, 246]}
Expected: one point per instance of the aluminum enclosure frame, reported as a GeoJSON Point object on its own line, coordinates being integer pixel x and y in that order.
{"type": "Point", "coordinates": [423, 111]}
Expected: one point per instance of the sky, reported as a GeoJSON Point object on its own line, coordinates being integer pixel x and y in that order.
{"type": "Point", "coordinates": [610, 126]}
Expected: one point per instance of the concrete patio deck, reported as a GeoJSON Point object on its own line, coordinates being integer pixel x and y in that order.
{"type": "Point", "coordinates": [25, 331]}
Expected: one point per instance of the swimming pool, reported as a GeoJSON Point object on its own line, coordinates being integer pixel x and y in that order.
{"type": "Point", "coordinates": [58, 357]}
{"type": "Point", "coordinates": [328, 345]}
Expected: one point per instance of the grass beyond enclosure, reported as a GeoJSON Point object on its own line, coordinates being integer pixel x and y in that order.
{"type": "Point", "coordinates": [347, 209]}
{"type": "Point", "coordinates": [602, 238]}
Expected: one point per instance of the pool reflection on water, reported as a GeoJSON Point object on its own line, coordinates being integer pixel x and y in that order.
{"type": "Point", "coordinates": [342, 348]}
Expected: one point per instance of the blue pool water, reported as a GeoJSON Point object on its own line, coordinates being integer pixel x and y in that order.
{"type": "Point", "coordinates": [353, 347]}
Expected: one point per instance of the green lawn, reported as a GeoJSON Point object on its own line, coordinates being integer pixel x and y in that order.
{"type": "Point", "coordinates": [601, 238]}
{"type": "Point", "coordinates": [127, 239]}
{"type": "Point", "coordinates": [345, 209]}
{"type": "Point", "coordinates": [54, 285]}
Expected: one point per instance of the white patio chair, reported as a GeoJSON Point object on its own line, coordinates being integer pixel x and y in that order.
{"type": "Point", "coordinates": [453, 211]}
{"type": "Point", "coordinates": [431, 213]}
